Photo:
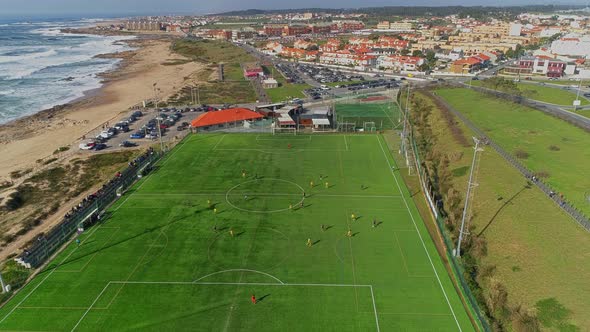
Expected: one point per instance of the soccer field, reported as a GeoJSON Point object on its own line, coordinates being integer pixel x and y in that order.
{"type": "Point", "coordinates": [165, 258]}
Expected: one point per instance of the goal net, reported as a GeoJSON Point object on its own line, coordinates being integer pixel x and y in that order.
{"type": "Point", "coordinates": [284, 131]}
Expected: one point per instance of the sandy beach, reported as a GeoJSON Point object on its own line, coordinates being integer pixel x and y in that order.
{"type": "Point", "coordinates": [24, 141]}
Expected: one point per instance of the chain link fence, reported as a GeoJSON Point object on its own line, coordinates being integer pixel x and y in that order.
{"type": "Point", "coordinates": [436, 207]}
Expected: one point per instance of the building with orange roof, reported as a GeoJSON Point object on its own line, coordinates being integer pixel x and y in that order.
{"type": "Point", "coordinates": [229, 118]}
{"type": "Point", "coordinates": [465, 66]}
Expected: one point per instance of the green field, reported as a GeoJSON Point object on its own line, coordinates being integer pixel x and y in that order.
{"type": "Point", "coordinates": [384, 114]}
{"type": "Point", "coordinates": [555, 149]}
{"type": "Point", "coordinates": [546, 94]}
{"type": "Point", "coordinates": [157, 263]}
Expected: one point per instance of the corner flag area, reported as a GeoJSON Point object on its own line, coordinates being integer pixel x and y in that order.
{"type": "Point", "coordinates": [320, 229]}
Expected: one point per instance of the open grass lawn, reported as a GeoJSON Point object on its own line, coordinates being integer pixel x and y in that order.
{"type": "Point", "coordinates": [556, 150]}
{"type": "Point", "coordinates": [539, 252]}
{"type": "Point", "coordinates": [157, 263]}
{"type": "Point", "coordinates": [550, 94]}
{"type": "Point", "coordinates": [285, 91]}
{"type": "Point", "coordinates": [546, 94]}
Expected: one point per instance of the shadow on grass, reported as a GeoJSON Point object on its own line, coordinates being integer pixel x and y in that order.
{"type": "Point", "coordinates": [506, 203]}
{"type": "Point", "coordinates": [145, 232]}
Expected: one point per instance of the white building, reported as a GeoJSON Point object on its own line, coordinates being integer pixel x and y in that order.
{"type": "Point", "coordinates": [572, 45]}
{"type": "Point", "coordinates": [515, 29]}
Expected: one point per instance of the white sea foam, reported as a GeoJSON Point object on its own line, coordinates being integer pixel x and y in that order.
{"type": "Point", "coordinates": [37, 76]}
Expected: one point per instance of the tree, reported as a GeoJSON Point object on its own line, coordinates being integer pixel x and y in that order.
{"type": "Point", "coordinates": [417, 53]}
{"type": "Point", "coordinates": [430, 57]}
{"type": "Point", "coordinates": [404, 52]}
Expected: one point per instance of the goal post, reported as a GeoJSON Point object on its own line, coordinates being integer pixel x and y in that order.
{"type": "Point", "coordinates": [284, 131]}
{"type": "Point", "coordinates": [369, 126]}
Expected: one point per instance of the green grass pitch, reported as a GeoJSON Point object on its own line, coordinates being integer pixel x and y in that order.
{"type": "Point", "coordinates": [157, 263]}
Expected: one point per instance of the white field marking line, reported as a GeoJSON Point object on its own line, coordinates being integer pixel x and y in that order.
{"type": "Point", "coordinates": [267, 194]}
{"type": "Point", "coordinates": [285, 150]}
{"type": "Point", "coordinates": [234, 283]}
{"type": "Point", "coordinates": [221, 139]}
{"type": "Point", "coordinates": [303, 138]}
{"type": "Point", "coordinates": [345, 142]}
{"type": "Point", "coordinates": [48, 275]}
{"type": "Point", "coordinates": [90, 307]}
{"type": "Point", "coordinates": [419, 235]}
{"type": "Point", "coordinates": [240, 270]}
{"type": "Point", "coordinates": [375, 309]}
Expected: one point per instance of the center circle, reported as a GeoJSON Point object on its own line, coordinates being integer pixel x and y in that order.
{"type": "Point", "coordinates": [227, 252]}
{"type": "Point", "coordinates": [265, 195]}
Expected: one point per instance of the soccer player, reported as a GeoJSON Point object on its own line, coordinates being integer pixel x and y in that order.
{"type": "Point", "coordinates": [349, 233]}
{"type": "Point", "coordinates": [289, 145]}
{"type": "Point", "coordinates": [321, 177]}
{"type": "Point", "coordinates": [327, 184]}
{"type": "Point", "coordinates": [215, 228]}
{"type": "Point", "coordinates": [374, 222]}
{"type": "Point", "coordinates": [78, 242]}
{"type": "Point", "coordinates": [309, 242]}
{"type": "Point", "coordinates": [323, 227]}
{"type": "Point", "coordinates": [353, 217]}
{"type": "Point", "coordinates": [311, 184]}
{"type": "Point", "coordinates": [215, 210]}
{"type": "Point", "coordinates": [231, 232]}
{"type": "Point", "coordinates": [245, 197]}
{"type": "Point", "coordinates": [209, 203]}
{"type": "Point", "coordinates": [243, 173]}
{"type": "Point", "coordinates": [290, 206]}
{"type": "Point", "coordinates": [253, 299]}
{"type": "Point", "coordinates": [301, 205]}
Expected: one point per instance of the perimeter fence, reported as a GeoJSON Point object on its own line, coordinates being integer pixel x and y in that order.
{"type": "Point", "coordinates": [89, 211]}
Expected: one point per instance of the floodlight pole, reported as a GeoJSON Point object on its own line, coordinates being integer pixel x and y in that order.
{"type": "Point", "coordinates": [469, 185]}
{"type": "Point", "coordinates": [2, 284]}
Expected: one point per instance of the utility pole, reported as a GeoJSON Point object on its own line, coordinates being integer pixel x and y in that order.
{"type": "Point", "coordinates": [470, 184]}
{"type": "Point", "coordinates": [578, 96]}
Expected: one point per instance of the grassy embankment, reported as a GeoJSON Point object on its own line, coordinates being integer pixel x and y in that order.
{"type": "Point", "coordinates": [534, 250]}
{"type": "Point", "coordinates": [544, 93]}
{"type": "Point", "coordinates": [234, 89]}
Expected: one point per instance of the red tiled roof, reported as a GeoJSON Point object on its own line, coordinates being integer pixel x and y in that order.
{"type": "Point", "coordinates": [225, 116]}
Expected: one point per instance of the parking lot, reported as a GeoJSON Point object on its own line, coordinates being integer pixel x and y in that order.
{"type": "Point", "coordinates": [140, 128]}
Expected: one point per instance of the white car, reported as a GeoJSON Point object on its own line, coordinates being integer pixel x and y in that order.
{"type": "Point", "coordinates": [86, 145]}
{"type": "Point", "coordinates": [105, 134]}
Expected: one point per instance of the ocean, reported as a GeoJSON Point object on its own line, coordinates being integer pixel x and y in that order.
{"type": "Point", "coordinates": [40, 67]}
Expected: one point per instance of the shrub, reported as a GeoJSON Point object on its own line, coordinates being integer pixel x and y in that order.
{"type": "Point", "coordinates": [521, 154]}
{"type": "Point", "coordinates": [15, 201]}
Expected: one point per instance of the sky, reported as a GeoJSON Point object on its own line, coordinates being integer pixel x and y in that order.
{"type": "Point", "coordinates": [24, 8]}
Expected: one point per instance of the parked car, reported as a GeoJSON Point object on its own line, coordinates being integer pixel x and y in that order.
{"type": "Point", "coordinates": [127, 144]}
{"type": "Point", "coordinates": [100, 146]}
{"type": "Point", "coordinates": [86, 145]}
{"type": "Point", "coordinates": [137, 135]}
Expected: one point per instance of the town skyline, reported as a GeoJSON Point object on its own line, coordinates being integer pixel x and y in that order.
{"type": "Point", "coordinates": [136, 7]}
